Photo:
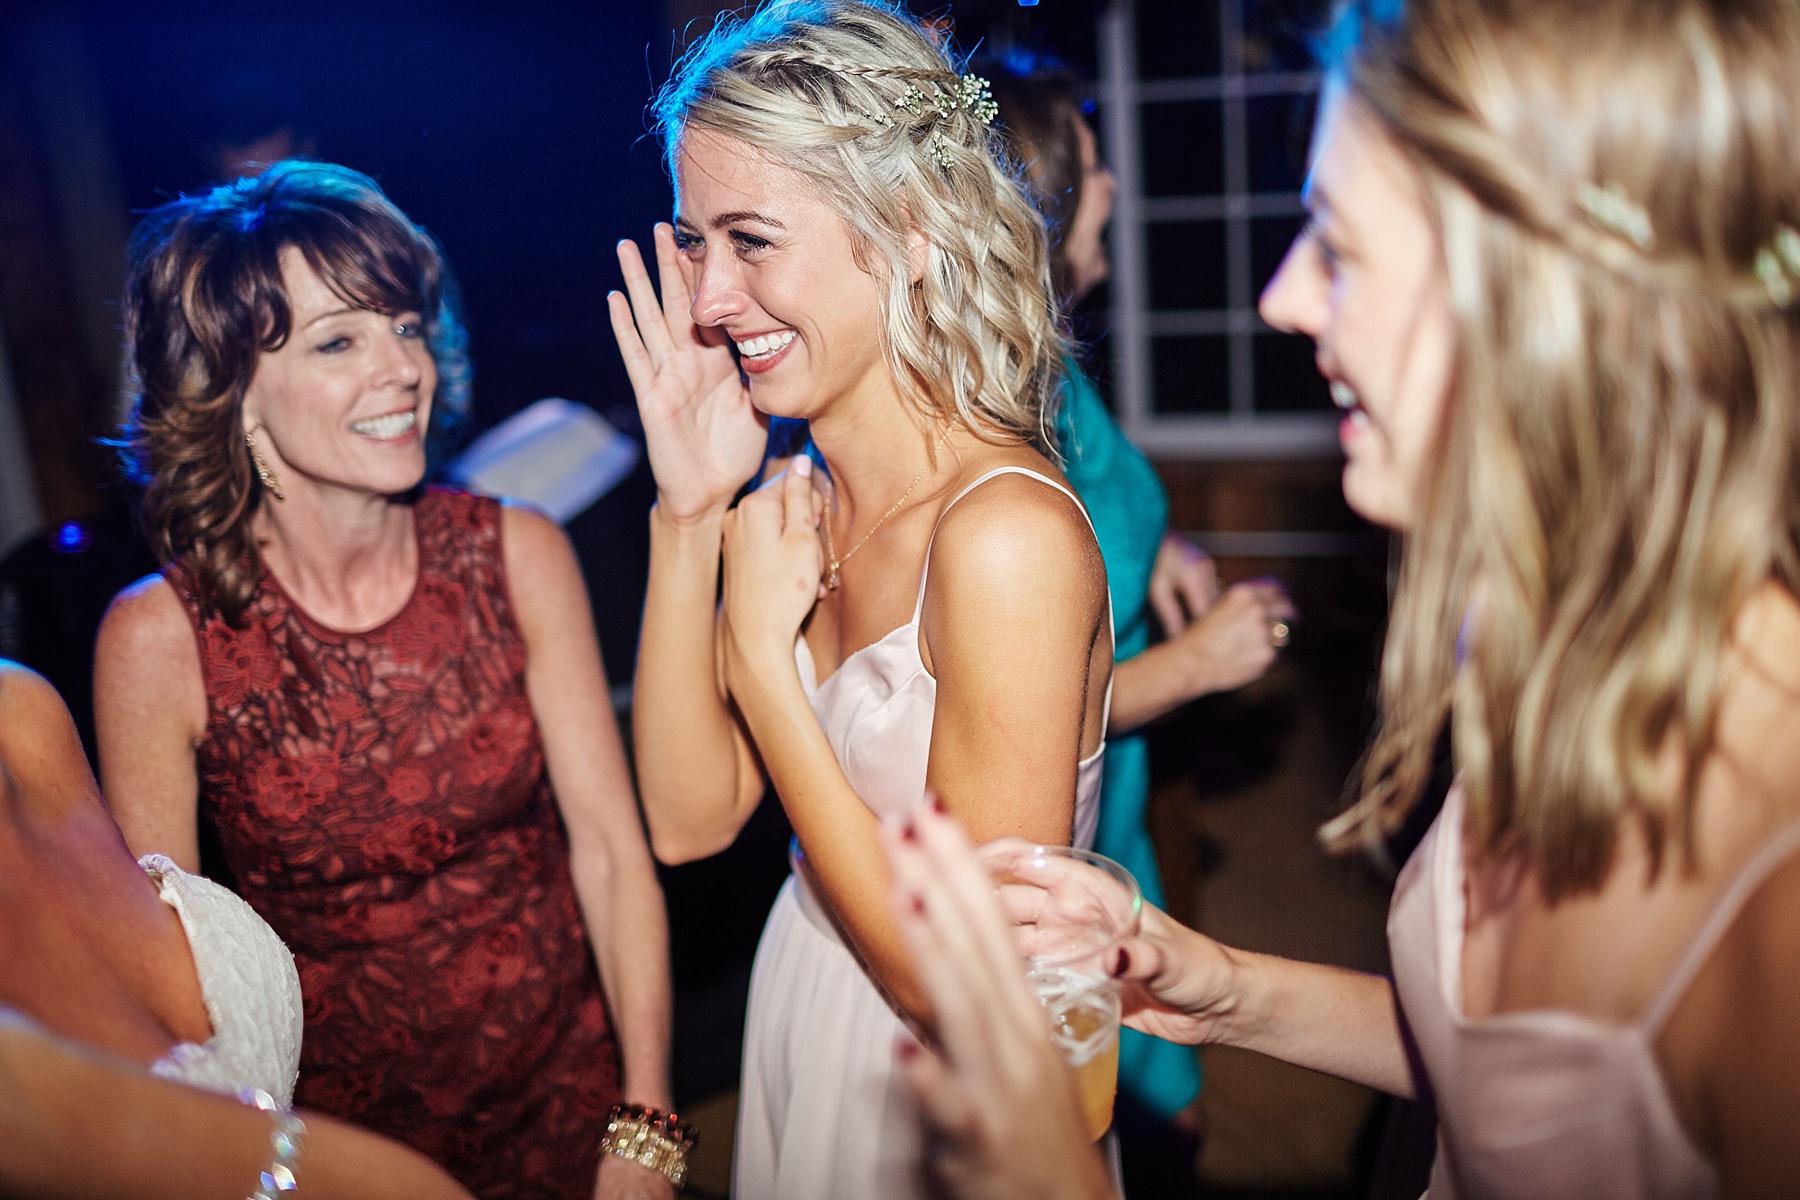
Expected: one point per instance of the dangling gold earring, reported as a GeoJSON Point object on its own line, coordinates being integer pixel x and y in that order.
{"type": "Point", "coordinates": [263, 473]}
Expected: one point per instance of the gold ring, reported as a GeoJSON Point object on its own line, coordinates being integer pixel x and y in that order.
{"type": "Point", "coordinates": [1279, 633]}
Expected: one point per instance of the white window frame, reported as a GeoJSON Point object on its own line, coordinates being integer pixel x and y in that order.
{"type": "Point", "coordinates": [1242, 432]}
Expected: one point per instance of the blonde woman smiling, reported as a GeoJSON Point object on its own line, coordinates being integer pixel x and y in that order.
{"type": "Point", "coordinates": [917, 600]}
{"type": "Point", "coordinates": [1552, 275]}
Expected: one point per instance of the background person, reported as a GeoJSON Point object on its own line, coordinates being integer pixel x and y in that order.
{"type": "Point", "coordinates": [1565, 333]}
{"type": "Point", "coordinates": [936, 615]}
{"type": "Point", "coordinates": [1213, 641]}
{"type": "Point", "coordinates": [391, 702]}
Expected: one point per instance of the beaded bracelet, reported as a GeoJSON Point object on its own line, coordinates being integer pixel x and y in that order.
{"type": "Point", "coordinates": [650, 1138]}
{"type": "Point", "coordinates": [284, 1146]}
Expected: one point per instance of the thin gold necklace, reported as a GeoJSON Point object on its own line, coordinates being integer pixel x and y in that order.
{"type": "Point", "coordinates": [832, 578]}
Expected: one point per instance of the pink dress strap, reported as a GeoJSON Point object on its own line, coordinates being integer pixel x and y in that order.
{"type": "Point", "coordinates": [1750, 877]}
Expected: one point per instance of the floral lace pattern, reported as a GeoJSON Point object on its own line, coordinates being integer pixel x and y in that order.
{"type": "Point", "coordinates": [383, 801]}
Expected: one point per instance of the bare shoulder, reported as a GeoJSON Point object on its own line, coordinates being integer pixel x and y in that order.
{"type": "Point", "coordinates": [147, 663]}
{"type": "Point", "coordinates": [538, 555]}
{"type": "Point", "coordinates": [543, 578]}
{"type": "Point", "coordinates": [1017, 529]}
{"type": "Point", "coordinates": [527, 533]}
{"type": "Point", "coordinates": [146, 616]}
{"type": "Point", "coordinates": [31, 710]}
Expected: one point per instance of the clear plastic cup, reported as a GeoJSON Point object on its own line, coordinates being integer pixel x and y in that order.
{"type": "Point", "coordinates": [1069, 908]}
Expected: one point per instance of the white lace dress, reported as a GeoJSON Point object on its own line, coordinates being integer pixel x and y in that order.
{"type": "Point", "coordinates": [251, 989]}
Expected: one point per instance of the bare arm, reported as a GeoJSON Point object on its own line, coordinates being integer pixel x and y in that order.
{"type": "Point", "coordinates": [615, 881]}
{"type": "Point", "coordinates": [700, 780]}
{"type": "Point", "coordinates": [76, 1125]}
{"type": "Point", "coordinates": [149, 712]}
{"type": "Point", "coordinates": [1011, 628]}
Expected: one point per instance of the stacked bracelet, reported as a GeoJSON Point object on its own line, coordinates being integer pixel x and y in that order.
{"type": "Point", "coordinates": [284, 1146]}
{"type": "Point", "coordinates": [650, 1138]}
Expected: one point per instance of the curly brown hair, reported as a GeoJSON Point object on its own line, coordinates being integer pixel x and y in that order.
{"type": "Point", "coordinates": [204, 298]}
{"type": "Point", "coordinates": [1040, 114]}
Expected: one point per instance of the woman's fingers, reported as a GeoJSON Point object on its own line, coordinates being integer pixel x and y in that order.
{"type": "Point", "coordinates": [638, 367]}
{"type": "Point", "coordinates": [672, 281]}
{"type": "Point", "coordinates": [797, 495]}
{"type": "Point", "coordinates": [652, 328]}
{"type": "Point", "coordinates": [976, 908]}
{"type": "Point", "coordinates": [1197, 579]}
{"type": "Point", "coordinates": [941, 1093]}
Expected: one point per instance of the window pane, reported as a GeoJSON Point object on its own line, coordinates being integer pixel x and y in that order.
{"type": "Point", "coordinates": [1187, 264]}
{"type": "Point", "coordinates": [1191, 374]}
{"type": "Point", "coordinates": [1177, 38]}
{"type": "Point", "coordinates": [1183, 148]}
{"type": "Point", "coordinates": [1270, 238]}
{"type": "Point", "coordinates": [1279, 128]}
{"type": "Point", "coordinates": [1286, 379]}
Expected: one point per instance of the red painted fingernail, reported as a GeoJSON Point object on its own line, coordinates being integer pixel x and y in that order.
{"type": "Point", "coordinates": [909, 832]}
{"type": "Point", "coordinates": [937, 804]}
{"type": "Point", "coordinates": [907, 1049]}
{"type": "Point", "coordinates": [918, 904]}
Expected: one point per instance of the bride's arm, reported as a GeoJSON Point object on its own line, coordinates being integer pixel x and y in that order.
{"type": "Point", "coordinates": [1015, 601]}
{"type": "Point", "coordinates": [697, 777]}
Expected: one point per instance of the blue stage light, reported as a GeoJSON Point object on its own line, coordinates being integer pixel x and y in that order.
{"type": "Point", "coordinates": [70, 538]}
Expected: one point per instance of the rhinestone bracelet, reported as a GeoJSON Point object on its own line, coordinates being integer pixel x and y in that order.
{"type": "Point", "coordinates": [651, 1138]}
{"type": "Point", "coordinates": [285, 1137]}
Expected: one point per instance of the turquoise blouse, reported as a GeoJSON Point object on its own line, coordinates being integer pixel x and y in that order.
{"type": "Point", "coordinates": [1130, 511]}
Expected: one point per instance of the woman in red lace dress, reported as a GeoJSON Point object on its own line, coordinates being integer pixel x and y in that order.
{"type": "Point", "coordinates": [391, 703]}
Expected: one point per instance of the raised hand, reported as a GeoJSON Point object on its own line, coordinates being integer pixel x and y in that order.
{"type": "Point", "coordinates": [772, 565]}
{"type": "Point", "coordinates": [704, 437]}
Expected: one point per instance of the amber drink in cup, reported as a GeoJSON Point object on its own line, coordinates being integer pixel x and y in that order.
{"type": "Point", "coordinates": [1069, 909]}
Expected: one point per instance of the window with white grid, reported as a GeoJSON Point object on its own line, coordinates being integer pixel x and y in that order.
{"type": "Point", "coordinates": [1206, 106]}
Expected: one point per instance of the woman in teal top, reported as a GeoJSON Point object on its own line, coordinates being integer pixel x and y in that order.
{"type": "Point", "coordinates": [1214, 641]}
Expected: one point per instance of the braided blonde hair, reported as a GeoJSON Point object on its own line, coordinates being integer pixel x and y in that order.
{"type": "Point", "coordinates": [856, 97]}
{"type": "Point", "coordinates": [1621, 463]}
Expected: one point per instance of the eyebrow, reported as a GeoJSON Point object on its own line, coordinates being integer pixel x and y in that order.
{"type": "Point", "coordinates": [737, 217]}
{"type": "Point", "coordinates": [336, 312]}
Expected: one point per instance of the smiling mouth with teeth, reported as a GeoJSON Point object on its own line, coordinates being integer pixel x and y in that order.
{"type": "Point", "coordinates": [767, 344]}
{"type": "Point", "coordinates": [388, 427]}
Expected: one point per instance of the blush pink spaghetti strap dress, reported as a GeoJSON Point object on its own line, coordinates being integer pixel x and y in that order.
{"type": "Point", "coordinates": [1545, 1105]}
{"type": "Point", "coordinates": [822, 1114]}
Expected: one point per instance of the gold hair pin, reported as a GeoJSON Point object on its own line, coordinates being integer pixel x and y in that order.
{"type": "Point", "coordinates": [1612, 211]}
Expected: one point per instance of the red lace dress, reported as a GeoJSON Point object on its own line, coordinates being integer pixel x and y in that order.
{"type": "Point", "coordinates": [383, 801]}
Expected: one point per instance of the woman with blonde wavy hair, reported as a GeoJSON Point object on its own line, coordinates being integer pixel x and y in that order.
{"type": "Point", "coordinates": [1552, 274]}
{"type": "Point", "coordinates": [917, 601]}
